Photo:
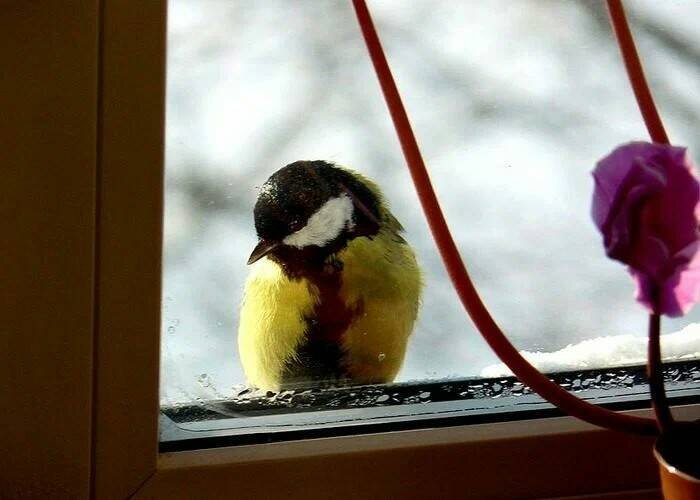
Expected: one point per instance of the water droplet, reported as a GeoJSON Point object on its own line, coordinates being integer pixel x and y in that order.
{"type": "Point", "coordinates": [204, 380]}
{"type": "Point", "coordinates": [383, 398]}
{"type": "Point", "coordinates": [424, 395]}
{"type": "Point", "coordinates": [171, 330]}
{"type": "Point", "coordinates": [381, 357]}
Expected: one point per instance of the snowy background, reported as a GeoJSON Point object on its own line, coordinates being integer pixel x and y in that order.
{"type": "Point", "coordinates": [512, 102]}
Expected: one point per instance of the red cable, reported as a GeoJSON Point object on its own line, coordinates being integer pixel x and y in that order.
{"type": "Point", "coordinates": [455, 267]}
{"type": "Point", "coordinates": [635, 73]}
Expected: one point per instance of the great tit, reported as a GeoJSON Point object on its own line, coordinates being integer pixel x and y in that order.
{"type": "Point", "coordinates": [334, 289]}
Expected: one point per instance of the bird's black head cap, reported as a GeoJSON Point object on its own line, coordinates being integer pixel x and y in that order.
{"type": "Point", "coordinates": [297, 191]}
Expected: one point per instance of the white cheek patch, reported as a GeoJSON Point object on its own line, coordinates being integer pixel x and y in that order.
{"type": "Point", "coordinates": [324, 225]}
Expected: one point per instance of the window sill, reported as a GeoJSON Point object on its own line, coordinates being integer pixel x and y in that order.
{"type": "Point", "coordinates": [550, 457]}
{"type": "Point", "coordinates": [320, 413]}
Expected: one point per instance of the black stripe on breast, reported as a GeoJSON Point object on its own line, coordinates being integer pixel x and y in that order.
{"type": "Point", "coordinates": [320, 357]}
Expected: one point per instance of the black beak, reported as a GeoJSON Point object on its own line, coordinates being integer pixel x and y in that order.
{"type": "Point", "coordinates": [262, 249]}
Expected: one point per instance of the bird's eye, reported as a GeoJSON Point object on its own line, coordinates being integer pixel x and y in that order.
{"type": "Point", "coordinates": [296, 225]}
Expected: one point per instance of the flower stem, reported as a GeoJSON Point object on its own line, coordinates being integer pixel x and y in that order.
{"type": "Point", "coordinates": [635, 72]}
{"type": "Point", "coordinates": [656, 130]}
{"type": "Point", "coordinates": [655, 375]}
{"type": "Point", "coordinates": [456, 269]}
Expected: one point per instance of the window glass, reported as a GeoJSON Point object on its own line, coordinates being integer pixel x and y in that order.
{"type": "Point", "coordinates": [512, 102]}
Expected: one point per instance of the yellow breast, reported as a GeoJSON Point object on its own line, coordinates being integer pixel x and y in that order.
{"type": "Point", "coordinates": [272, 322]}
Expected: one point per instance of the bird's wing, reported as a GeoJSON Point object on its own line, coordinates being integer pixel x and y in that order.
{"type": "Point", "coordinates": [272, 322]}
{"type": "Point", "coordinates": [382, 278]}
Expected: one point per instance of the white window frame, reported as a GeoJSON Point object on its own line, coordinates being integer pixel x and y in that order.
{"type": "Point", "coordinates": [113, 414]}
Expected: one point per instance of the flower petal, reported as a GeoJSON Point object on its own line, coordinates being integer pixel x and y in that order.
{"type": "Point", "coordinates": [646, 203]}
{"type": "Point", "coordinates": [682, 289]}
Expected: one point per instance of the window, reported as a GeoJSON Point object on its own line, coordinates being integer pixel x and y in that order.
{"type": "Point", "coordinates": [512, 105]}
{"type": "Point", "coordinates": [85, 130]}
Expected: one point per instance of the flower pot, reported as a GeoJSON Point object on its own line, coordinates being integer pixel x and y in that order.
{"type": "Point", "coordinates": [678, 454]}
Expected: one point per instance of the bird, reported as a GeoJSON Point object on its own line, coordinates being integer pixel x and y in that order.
{"type": "Point", "coordinates": [333, 290]}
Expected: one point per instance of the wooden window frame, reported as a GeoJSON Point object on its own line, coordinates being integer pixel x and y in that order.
{"type": "Point", "coordinates": [112, 339]}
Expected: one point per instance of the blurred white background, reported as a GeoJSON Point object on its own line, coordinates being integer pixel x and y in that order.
{"type": "Point", "coordinates": [512, 101]}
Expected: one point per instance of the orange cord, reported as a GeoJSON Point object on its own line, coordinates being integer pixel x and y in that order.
{"type": "Point", "coordinates": [466, 291]}
{"type": "Point", "coordinates": [645, 101]}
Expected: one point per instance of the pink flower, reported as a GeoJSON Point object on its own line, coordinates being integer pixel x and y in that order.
{"type": "Point", "coordinates": [646, 204]}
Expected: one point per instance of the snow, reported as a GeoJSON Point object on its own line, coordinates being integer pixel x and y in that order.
{"type": "Point", "coordinates": [600, 352]}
